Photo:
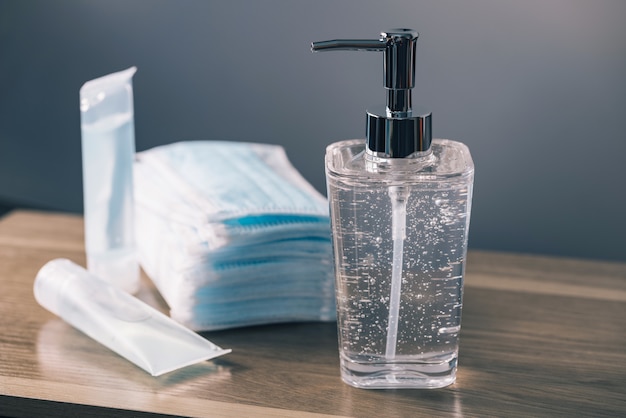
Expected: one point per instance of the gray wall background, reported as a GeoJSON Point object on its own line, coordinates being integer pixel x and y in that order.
{"type": "Point", "coordinates": [535, 88]}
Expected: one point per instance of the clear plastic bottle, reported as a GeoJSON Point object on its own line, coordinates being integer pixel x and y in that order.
{"type": "Point", "coordinates": [435, 196]}
{"type": "Point", "coordinates": [400, 211]}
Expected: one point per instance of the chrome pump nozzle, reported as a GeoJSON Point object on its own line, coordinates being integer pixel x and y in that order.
{"type": "Point", "coordinates": [397, 130]}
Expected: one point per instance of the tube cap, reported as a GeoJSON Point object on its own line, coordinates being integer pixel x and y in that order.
{"type": "Point", "coordinates": [52, 280]}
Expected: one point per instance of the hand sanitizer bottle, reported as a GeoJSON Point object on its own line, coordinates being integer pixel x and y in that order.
{"type": "Point", "coordinates": [400, 210]}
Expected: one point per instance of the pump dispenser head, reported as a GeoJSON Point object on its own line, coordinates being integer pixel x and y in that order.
{"type": "Point", "coordinates": [397, 130]}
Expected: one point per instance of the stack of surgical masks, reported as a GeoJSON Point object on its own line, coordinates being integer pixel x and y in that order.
{"type": "Point", "coordinates": [232, 235]}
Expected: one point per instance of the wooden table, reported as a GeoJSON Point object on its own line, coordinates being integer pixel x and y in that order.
{"type": "Point", "coordinates": [541, 337]}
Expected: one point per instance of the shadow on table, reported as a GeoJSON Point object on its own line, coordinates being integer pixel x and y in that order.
{"type": "Point", "coordinates": [9, 206]}
{"type": "Point", "coordinates": [5, 208]}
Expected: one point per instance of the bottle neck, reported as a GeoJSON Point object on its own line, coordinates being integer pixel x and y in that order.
{"type": "Point", "coordinates": [377, 162]}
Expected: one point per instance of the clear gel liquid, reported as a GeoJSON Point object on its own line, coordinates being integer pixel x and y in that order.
{"type": "Point", "coordinates": [427, 325]}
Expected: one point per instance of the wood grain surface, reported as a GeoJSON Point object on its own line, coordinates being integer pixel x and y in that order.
{"type": "Point", "coordinates": [540, 337]}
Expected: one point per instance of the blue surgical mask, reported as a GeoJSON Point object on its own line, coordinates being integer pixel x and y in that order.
{"type": "Point", "coordinates": [233, 235]}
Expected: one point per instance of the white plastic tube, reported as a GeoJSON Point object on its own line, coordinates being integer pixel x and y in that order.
{"type": "Point", "coordinates": [108, 150]}
{"type": "Point", "coordinates": [119, 321]}
{"type": "Point", "coordinates": [399, 196]}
